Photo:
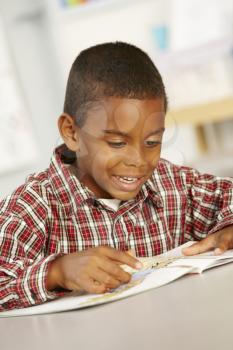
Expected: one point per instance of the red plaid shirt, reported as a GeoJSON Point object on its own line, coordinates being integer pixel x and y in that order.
{"type": "Point", "coordinates": [53, 213]}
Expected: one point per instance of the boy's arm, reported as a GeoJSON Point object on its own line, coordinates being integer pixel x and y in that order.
{"type": "Point", "coordinates": [210, 214]}
{"type": "Point", "coordinates": [29, 277]}
{"type": "Point", "coordinates": [23, 265]}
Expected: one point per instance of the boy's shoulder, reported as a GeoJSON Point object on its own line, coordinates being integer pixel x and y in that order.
{"type": "Point", "coordinates": [31, 196]}
{"type": "Point", "coordinates": [54, 191]}
{"type": "Point", "coordinates": [165, 165]}
{"type": "Point", "coordinates": [169, 176]}
{"type": "Point", "coordinates": [38, 184]}
{"type": "Point", "coordinates": [166, 171]}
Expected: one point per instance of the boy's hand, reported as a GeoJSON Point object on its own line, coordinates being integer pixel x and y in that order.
{"type": "Point", "coordinates": [95, 270]}
{"type": "Point", "coordinates": [220, 241]}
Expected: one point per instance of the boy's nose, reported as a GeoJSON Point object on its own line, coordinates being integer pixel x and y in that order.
{"type": "Point", "coordinates": [135, 157]}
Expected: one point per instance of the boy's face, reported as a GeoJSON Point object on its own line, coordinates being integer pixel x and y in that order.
{"type": "Point", "coordinates": [119, 145]}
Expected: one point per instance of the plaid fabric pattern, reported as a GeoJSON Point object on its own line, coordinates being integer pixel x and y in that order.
{"type": "Point", "coordinates": [54, 214]}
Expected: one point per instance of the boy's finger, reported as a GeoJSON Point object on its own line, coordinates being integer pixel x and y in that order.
{"type": "Point", "coordinates": [89, 285]}
{"type": "Point", "coordinates": [120, 257]}
{"type": "Point", "coordinates": [113, 270]}
{"type": "Point", "coordinates": [222, 246]}
{"type": "Point", "coordinates": [104, 278]}
{"type": "Point", "coordinates": [200, 247]}
{"type": "Point", "coordinates": [130, 252]}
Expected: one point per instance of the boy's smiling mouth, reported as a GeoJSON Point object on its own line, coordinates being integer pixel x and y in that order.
{"type": "Point", "coordinates": [128, 183]}
{"type": "Point", "coordinates": [126, 179]}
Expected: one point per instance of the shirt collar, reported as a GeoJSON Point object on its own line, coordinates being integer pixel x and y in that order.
{"type": "Point", "coordinates": [153, 188]}
{"type": "Point", "coordinates": [67, 188]}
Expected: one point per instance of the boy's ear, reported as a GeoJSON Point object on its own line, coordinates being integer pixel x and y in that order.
{"type": "Point", "coordinates": [69, 131]}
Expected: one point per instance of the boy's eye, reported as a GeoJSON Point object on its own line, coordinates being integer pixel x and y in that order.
{"type": "Point", "coordinates": [116, 144]}
{"type": "Point", "coordinates": [152, 143]}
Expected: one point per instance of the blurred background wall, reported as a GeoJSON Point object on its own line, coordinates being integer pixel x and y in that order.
{"type": "Point", "coordinates": [189, 41]}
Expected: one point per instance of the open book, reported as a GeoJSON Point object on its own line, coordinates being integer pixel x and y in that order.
{"type": "Point", "coordinates": [156, 272]}
{"type": "Point", "coordinates": [175, 258]}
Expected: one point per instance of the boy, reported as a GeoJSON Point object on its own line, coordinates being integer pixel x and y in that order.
{"type": "Point", "coordinates": [106, 191]}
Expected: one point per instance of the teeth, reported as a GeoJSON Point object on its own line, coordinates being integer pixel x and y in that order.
{"type": "Point", "coordinates": [127, 179]}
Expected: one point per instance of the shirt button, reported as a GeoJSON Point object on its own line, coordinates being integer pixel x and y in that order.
{"type": "Point", "coordinates": [34, 296]}
{"type": "Point", "coordinates": [95, 204]}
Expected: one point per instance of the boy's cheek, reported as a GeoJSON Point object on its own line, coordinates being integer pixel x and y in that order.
{"type": "Point", "coordinates": [154, 161]}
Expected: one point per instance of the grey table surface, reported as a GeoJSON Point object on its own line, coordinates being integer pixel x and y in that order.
{"type": "Point", "coordinates": [194, 312]}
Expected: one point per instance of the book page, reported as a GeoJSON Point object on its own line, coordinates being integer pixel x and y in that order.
{"type": "Point", "coordinates": [157, 271]}
{"type": "Point", "coordinates": [200, 262]}
{"type": "Point", "coordinates": [141, 281]}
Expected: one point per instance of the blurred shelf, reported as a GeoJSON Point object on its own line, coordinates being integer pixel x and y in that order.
{"type": "Point", "coordinates": [213, 112]}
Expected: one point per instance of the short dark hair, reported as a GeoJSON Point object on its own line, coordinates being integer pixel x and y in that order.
{"type": "Point", "coordinates": [114, 69]}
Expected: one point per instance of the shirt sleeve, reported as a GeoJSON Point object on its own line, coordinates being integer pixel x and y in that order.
{"type": "Point", "coordinates": [23, 262]}
{"type": "Point", "coordinates": [210, 205]}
